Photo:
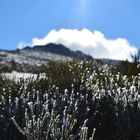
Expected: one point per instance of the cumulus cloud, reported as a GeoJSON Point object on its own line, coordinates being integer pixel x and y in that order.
{"type": "Point", "coordinates": [92, 43]}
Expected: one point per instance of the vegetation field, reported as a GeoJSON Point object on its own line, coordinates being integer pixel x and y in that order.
{"type": "Point", "coordinates": [73, 101]}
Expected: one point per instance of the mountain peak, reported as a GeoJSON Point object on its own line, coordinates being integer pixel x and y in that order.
{"type": "Point", "coordinates": [30, 57]}
{"type": "Point", "coordinates": [58, 49]}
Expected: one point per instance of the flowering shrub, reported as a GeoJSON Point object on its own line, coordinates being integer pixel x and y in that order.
{"type": "Point", "coordinates": [75, 101]}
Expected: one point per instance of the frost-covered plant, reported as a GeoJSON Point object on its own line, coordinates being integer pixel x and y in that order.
{"type": "Point", "coordinates": [74, 100]}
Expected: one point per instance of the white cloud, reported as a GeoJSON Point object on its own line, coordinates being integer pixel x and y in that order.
{"type": "Point", "coordinates": [93, 43]}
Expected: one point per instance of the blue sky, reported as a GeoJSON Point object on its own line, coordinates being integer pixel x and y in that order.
{"type": "Point", "coordinates": [25, 19]}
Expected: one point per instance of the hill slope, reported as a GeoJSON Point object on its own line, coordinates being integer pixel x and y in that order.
{"type": "Point", "coordinates": [29, 57]}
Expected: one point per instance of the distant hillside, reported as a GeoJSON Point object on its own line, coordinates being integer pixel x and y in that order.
{"type": "Point", "coordinates": [29, 57]}
{"type": "Point", "coordinates": [57, 49]}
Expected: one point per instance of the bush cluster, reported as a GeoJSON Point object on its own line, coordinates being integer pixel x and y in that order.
{"type": "Point", "coordinates": [72, 101]}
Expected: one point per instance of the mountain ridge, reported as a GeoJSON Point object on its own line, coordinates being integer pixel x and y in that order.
{"type": "Point", "coordinates": [29, 57]}
{"type": "Point", "coordinates": [57, 49]}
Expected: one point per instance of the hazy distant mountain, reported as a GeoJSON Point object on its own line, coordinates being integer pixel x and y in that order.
{"type": "Point", "coordinates": [57, 49]}
{"type": "Point", "coordinates": [38, 55]}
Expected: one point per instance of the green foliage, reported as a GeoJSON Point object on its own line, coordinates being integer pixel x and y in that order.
{"type": "Point", "coordinates": [128, 68]}
{"type": "Point", "coordinates": [65, 74]}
